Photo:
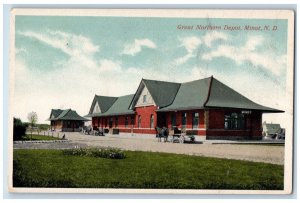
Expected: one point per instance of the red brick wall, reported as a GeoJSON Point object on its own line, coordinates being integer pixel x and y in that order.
{"type": "Point", "coordinates": [216, 119]}
{"type": "Point", "coordinates": [145, 113]}
{"type": "Point", "coordinates": [216, 124]}
{"type": "Point", "coordinates": [189, 119]}
{"type": "Point", "coordinates": [144, 131]}
{"type": "Point", "coordinates": [256, 120]}
{"type": "Point", "coordinates": [125, 130]}
{"type": "Point", "coordinates": [201, 119]}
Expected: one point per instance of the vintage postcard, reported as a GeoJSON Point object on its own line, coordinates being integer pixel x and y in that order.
{"type": "Point", "coordinates": [175, 101]}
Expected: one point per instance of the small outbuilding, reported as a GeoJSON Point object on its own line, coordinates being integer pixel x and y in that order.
{"type": "Point", "coordinates": [271, 129]}
{"type": "Point", "coordinates": [66, 120]}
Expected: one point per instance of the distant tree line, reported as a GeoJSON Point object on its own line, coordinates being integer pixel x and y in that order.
{"type": "Point", "coordinates": [41, 127]}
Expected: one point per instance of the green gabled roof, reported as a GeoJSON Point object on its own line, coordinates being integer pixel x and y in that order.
{"type": "Point", "coordinates": [223, 96]}
{"type": "Point", "coordinates": [69, 114]}
{"type": "Point", "coordinates": [120, 106]}
{"type": "Point", "coordinates": [55, 113]}
{"type": "Point", "coordinates": [168, 96]}
{"type": "Point", "coordinates": [211, 93]}
{"type": "Point", "coordinates": [191, 95]}
{"type": "Point", "coordinates": [104, 102]}
{"type": "Point", "coordinates": [163, 93]}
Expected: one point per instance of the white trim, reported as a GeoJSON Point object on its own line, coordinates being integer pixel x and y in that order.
{"type": "Point", "coordinates": [140, 94]}
{"type": "Point", "coordinates": [95, 108]}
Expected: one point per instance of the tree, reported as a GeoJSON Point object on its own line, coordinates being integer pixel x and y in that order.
{"type": "Point", "coordinates": [32, 118]}
{"type": "Point", "coordinates": [19, 129]}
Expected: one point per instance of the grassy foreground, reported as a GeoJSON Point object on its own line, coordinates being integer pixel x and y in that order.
{"type": "Point", "coordinates": [51, 168]}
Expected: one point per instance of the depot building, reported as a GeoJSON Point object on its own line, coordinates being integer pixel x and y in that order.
{"type": "Point", "coordinates": [205, 107]}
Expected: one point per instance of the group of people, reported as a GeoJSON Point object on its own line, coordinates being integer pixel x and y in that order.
{"type": "Point", "coordinates": [164, 133]}
{"type": "Point", "coordinates": [88, 130]}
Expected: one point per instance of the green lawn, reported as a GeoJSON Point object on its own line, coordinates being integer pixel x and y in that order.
{"type": "Point", "coordinates": [51, 168]}
{"type": "Point", "coordinates": [38, 137]}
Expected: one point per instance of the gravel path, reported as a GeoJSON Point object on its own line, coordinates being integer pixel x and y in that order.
{"type": "Point", "coordinates": [257, 153]}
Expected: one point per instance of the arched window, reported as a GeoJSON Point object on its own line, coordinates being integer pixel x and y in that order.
{"type": "Point", "coordinates": [183, 120]}
{"type": "Point", "coordinates": [139, 121]}
{"type": "Point", "coordinates": [152, 121]}
{"type": "Point", "coordinates": [126, 122]}
{"type": "Point", "coordinates": [173, 119]}
{"type": "Point", "coordinates": [195, 120]}
{"type": "Point", "coordinates": [116, 122]}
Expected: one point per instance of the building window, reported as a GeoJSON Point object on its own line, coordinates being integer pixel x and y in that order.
{"type": "Point", "coordinates": [235, 121]}
{"type": "Point", "coordinates": [116, 122]}
{"type": "Point", "coordinates": [110, 122]}
{"type": "Point", "coordinates": [195, 120]}
{"type": "Point", "coordinates": [139, 121]}
{"type": "Point", "coordinates": [126, 122]}
{"type": "Point", "coordinates": [152, 121]}
{"type": "Point", "coordinates": [144, 98]}
{"type": "Point", "coordinates": [132, 120]}
{"type": "Point", "coordinates": [183, 120]}
{"type": "Point", "coordinates": [173, 119]}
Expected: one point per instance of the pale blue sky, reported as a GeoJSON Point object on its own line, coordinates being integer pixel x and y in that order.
{"type": "Point", "coordinates": [61, 62]}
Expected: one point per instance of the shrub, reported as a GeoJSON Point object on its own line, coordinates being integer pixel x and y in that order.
{"type": "Point", "coordinates": [19, 129]}
{"type": "Point", "coordinates": [111, 153]}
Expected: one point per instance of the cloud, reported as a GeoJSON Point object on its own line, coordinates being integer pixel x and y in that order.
{"type": "Point", "coordinates": [70, 44]}
{"type": "Point", "coordinates": [253, 42]}
{"type": "Point", "coordinates": [248, 53]}
{"type": "Point", "coordinates": [76, 80]}
{"type": "Point", "coordinates": [192, 43]}
{"type": "Point", "coordinates": [137, 45]}
{"type": "Point", "coordinates": [184, 59]}
{"type": "Point", "coordinates": [209, 38]}
{"type": "Point", "coordinates": [109, 66]}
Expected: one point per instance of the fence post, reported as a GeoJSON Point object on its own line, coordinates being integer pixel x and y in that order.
{"type": "Point", "coordinates": [52, 134]}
